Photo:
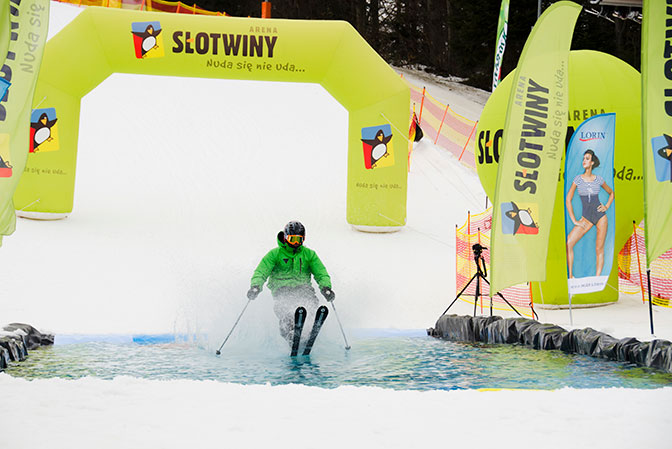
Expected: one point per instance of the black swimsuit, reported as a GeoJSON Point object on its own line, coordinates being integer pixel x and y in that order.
{"type": "Point", "coordinates": [590, 211]}
{"type": "Point", "coordinates": [588, 192]}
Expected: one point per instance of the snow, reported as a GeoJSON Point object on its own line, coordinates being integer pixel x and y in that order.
{"type": "Point", "coordinates": [465, 100]}
{"type": "Point", "coordinates": [172, 214]}
{"type": "Point", "coordinates": [136, 413]}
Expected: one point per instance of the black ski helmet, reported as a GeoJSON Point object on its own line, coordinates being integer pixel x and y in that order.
{"type": "Point", "coordinates": [291, 231]}
{"type": "Point", "coordinates": [294, 228]}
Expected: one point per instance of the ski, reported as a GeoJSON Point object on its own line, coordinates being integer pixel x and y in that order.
{"type": "Point", "coordinates": [299, 319]}
{"type": "Point", "coordinates": [320, 316]}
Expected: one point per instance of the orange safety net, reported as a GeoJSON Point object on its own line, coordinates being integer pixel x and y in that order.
{"type": "Point", "coordinates": [631, 268]}
{"type": "Point", "coordinates": [147, 5]}
{"type": "Point", "coordinates": [445, 127]}
{"type": "Point", "coordinates": [477, 230]}
{"type": "Point", "coordinates": [632, 271]}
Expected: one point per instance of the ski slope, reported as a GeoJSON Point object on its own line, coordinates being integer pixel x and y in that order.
{"type": "Point", "coordinates": [181, 188]}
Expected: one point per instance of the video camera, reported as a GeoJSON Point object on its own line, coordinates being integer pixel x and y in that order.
{"type": "Point", "coordinates": [478, 249]}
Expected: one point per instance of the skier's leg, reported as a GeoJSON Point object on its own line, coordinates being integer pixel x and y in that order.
{"type": "Point", "coordinates": [284, 309]}
{"type": "Point", "coordinates": [286, 324]}
{"type": "Point", "coordinates": [287, 300]}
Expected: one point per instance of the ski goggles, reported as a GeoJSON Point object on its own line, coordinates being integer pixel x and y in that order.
{"type": "Point", "coordinates": [294, 239]}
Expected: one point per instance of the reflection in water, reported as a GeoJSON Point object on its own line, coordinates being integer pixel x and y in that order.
{"type": "Point", "coordinates": [302, 371]}
{"type": "Point", "coordinates": [417, 363]}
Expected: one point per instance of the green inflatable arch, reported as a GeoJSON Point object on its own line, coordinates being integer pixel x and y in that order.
{"type": "Point", "coordinates": [598, 83]}
{"type": "Point", "coordinates": [102, 41]}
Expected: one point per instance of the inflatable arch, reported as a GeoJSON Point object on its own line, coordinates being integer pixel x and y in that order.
{"type": "Point", "coordinates": [101, 41]}
{"type": "Point", "coordinates": [598, 83]}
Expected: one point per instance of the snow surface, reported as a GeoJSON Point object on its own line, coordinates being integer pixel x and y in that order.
{"type": "Point", "coordinates": [173, 211]}
{"type": "Point", "coordinates": [137, 413]}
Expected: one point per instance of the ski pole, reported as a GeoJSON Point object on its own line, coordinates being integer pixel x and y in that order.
{"type": "Point", "coordinates": [347, 346]}
{"type": "Point", "coordinates": [234, 326]}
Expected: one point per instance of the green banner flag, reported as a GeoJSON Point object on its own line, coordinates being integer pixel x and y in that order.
{"type": "Point", "coordinates": [532, 149]}
{"type": "Point", "coordinates": [502, 31]}
{"type": "Point", "coordinates": [22, 37]}
{"type": "Point", "coordinates": [657, 125]}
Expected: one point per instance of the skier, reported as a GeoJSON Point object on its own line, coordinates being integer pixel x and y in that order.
{"type": "Point", "coordinates": [289, 267]}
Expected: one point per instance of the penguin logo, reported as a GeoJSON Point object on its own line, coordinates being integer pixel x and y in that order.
{"type": "Point", "coordinates": [519, 219]}
{"type": "Point", "coordinates": [662, 157]}
{"type": "Point", "coordinates": [666, 152]}
{"type": "Point", "coordinates": [5, 167]}
{"type": "Point", "coordinates": [43, 130]}
{"type": "Point", "coordinates": [377, 145]}
{"type": "Point", "coordinates": [147, 39]}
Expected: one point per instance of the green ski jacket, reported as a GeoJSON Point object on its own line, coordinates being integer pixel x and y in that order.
{"type": "Point", "coordinates": [290, 267]}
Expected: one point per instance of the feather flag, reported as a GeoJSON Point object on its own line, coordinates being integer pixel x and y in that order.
{"type": "Point", "coordinates": [28, 24]}
{"type": "Point", "coordinates": [415, 132]}
{"type": "Point", "coordinates": [657, 126]}
{"type": "Point", "coordinates": [502, 31]}
{"type": "Point", "coordinates": [533, 146]}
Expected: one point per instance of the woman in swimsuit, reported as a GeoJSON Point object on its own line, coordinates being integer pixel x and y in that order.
{"type": "Point", "coordinates": [594, 212]}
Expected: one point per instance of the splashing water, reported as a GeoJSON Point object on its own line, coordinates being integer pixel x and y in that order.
{"type": "Point", "coordinates": [407, 360]}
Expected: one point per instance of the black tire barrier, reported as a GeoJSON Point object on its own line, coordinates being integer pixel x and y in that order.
{"type": "Point", "coordinates": [655, 354]}
{"type": "Point", "coordinates": [15, 341]}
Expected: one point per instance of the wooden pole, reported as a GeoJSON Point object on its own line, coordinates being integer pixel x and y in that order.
{"type": "Point", "coordinates": [422, 104]}
{"type": "Point", "coordinates": [441, 124]}
{"type": "Point", "coordinates": [457, 258]}
{"type": "Point", "coordinates": [265, 10]}
{"type": "Point", "coordinates": [477, 262]}
{"type": "Point", "coordinates": [468, 139]}
{"type": "Point", "coordinates": [469, 237]}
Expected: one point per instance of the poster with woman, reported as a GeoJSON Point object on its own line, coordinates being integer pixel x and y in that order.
{"type": "Point", "coordinates": [589, 204]}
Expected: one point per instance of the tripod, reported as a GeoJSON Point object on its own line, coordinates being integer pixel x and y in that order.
{"type": "Point", "coordinates": [481, 273]}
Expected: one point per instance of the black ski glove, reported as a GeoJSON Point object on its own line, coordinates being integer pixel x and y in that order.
{"type": "Point", "coordinates": [328, 293]}
{"type": "Point", "coordinates": [253, 292]}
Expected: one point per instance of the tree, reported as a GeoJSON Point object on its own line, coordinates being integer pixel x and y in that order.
{"type": "Point", "coordinates": [453, 37]}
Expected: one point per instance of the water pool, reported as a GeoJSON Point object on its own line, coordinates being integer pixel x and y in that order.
{"type": "Point", "coordinates": [413, 362]}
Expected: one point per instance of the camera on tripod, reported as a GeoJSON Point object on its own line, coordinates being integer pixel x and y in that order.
{"type": "Point", "coordinates": [481, 274]}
